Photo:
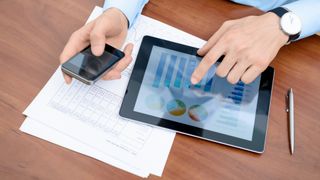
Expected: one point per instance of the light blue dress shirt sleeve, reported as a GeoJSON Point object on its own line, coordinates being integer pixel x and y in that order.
{"type": "Point", "coordinates": [309, 13]}
{"type": "Point", "coordinates": [130, 8]}
{"type": "Point", "coordinates": [307, 10]}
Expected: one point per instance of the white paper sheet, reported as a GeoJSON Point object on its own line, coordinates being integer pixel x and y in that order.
{"type": "Point", "coordinates": [38, 129]}
{"type": "Point", "coordinates": [79, 112]}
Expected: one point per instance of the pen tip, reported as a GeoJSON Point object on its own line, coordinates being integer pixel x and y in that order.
{"type": "Point", "coordinates": [291, 149]}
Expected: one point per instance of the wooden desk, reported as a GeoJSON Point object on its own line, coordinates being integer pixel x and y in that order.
{"type": "Point", "coordinates": [32, 35]}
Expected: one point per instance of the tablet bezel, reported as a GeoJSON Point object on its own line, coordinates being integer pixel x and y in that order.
{"type": "Point", "coordinates": [127, 107]}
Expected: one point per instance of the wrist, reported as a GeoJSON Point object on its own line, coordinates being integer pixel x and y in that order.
{"type": "Point", "coordinates": [273, 21]}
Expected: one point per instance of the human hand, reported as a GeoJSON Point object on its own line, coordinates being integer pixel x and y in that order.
{"type": "Point", "coordinates": [111, 27]}
{"type": "Point", "coordinates": [249, 45]}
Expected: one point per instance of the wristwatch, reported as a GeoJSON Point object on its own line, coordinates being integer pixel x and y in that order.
{"type": "Point", "coordinates": [290, 23]}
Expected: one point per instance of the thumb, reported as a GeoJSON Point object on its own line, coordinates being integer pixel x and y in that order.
{"type": "Point", "coordinates": [128, 49]}
{"type": "Point", "coordinates": [67, 78]}
{"type": "Point", "coordinates": [97, 41]}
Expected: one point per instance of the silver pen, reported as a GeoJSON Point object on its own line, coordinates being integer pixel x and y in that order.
{"type": "Point", "coordinates": [290, 110]}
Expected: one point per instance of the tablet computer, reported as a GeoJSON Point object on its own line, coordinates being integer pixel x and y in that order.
{"type": "Point", "coordinates": [160, 93]}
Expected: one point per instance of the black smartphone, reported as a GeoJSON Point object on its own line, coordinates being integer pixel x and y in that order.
{"type": "Point", "coordinates": [89, 68]}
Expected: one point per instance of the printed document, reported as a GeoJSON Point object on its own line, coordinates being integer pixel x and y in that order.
{"type": "Point", "coordinates": [85, 118]}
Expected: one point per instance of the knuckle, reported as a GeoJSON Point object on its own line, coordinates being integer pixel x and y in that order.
{"type": "Point", "coordinates": [248, 56]}
{"type": "Point", "coordinates": [240, 47]}
{"type": "Point", "coordinates": [228, 37]}
{"type": "Point", "coordinates": [207, 61]}
{"type": "Point", "coordinates": [95, 35]}
{"type": "Point", "coordinates": [254, 58]}
{"type": "Point", "coordinates": [227, 23]}
{"type": "Point", "coordinates": [74, 34]}
{"type": "Point", "coordinates": [250, 17]}
{"type": "Point", "coordinates": [261, 63]}
{"type": "Point", "coordinates": [221, 72]}
{"type": "Point", "coordinates": [77, 35]}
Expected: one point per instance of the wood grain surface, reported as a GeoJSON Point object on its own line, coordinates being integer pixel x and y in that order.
{"type": "Point", "coordinates": [32, 35]}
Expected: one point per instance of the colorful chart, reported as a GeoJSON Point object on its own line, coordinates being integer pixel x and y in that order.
{"type": "Point", "coordinates": [154, 102]}
{"type": "Point", "coordinates": [175, 72]}
{"type": "Point", "coordinates": [176, 107]}
{"type": "Point", "coordinates": [232, 109]}
{"type": "Point", "coordinates": [197, 113]}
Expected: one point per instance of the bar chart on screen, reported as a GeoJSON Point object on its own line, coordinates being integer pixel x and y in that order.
{"type": "Point", "coordinates": [232, 105]}
{"type": "Point", "coordinates": [174, 71]}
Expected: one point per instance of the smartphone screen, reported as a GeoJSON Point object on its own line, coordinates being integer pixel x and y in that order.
{"type": "Point", "coordinates": [90, 67]}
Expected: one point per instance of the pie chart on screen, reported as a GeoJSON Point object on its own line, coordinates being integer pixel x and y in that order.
{"type": "Point", "coordinates": [197, 113]}
{"type": "Point", "coordinates": [176, 107]}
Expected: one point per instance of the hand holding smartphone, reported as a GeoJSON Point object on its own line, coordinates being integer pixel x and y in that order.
{"type": "Point", "coordinates": [89, 68]}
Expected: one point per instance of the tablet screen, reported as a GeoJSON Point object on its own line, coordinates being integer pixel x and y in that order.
{"type": "Point", "coordinates": [213, 104]}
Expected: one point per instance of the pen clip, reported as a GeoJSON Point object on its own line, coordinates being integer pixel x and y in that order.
{"type": "Point", "coordinates": [287, 102]}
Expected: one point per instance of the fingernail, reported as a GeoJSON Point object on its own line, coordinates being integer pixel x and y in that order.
{"type": "Point", "coordinates": [194, 80]}
{"type": "Point", "coordinates": [97, 51]}
{"type": "Point", "coordinates": [199, 51]}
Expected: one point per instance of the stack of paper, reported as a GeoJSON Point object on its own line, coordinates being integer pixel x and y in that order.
{"type": "Point", "coordinates": [85, 118]}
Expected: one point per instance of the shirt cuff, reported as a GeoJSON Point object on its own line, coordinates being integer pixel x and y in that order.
{"type": "Point", "coordinates": [130, 9]}
{"type": "Point", "coordinates": [309, 13]}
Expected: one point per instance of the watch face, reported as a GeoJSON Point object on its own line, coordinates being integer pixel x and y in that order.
{"type": "Point", "coordinates": [290, 23]}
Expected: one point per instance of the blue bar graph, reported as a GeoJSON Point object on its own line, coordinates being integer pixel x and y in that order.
{"type": "Point", "coordinates": [237, 102]}
{"type": "Point", "coordinates": [235, 98]}
{"type": "Point", "coordinates": [231, 109]}
{"type": "Point", "coordinates": [207, 87]}
{"type": "Point", "coordinates": [202, 82]}
{"type": "Point", "coordinates": [159, 71]}
{"type": "Point", "coordinates": [176, 71]}
{"type": "Point", "coordinates": [237, 93]}
{"type": "Point", "coordinates": [191, 66]}
{"type": "Point", "coordinates": [210, 76]}
{"type": "Point", "coordinates": [180, 71]}
{"type": "Point", "coordinates": [198, 85]}
{"type": "Point", "coordinates": [238, 88]}
{"type": "Point", "coordinates": [240, 83]}
{"type": "Point", "coordinates": [170, 70]}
